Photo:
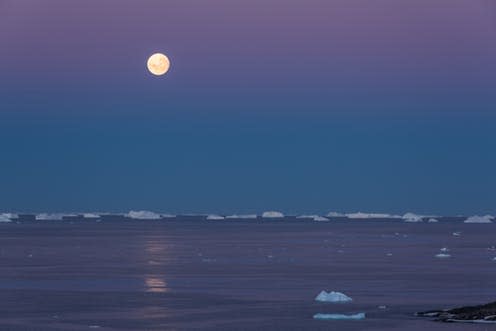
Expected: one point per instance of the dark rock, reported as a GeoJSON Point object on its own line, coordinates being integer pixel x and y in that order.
{"type": "Point", "coordinates": [475, 314]}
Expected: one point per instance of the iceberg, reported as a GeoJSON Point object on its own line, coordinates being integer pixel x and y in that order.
{"type": "Point", "coordinates": [91, 215]}
{"type": "Point", "coordinates": [314, 218]}
{"type": "Point", "coordinates": [167, 216]}
{"type": "Point", "coordinates": [4, 219]}
{"type": "Point", "coordinates": [412, 218]}
{"type": "Point", "coordinates": [332, 297]}
{"type": "Point", "coordinates": [443, 256]}
{"type": "Point", "coordinates": [335, 214]}
{"type": "Point", "coordinates": [215, 217]}
{"type": "Point", "coordinates": [361, 215]}
{"type": "Point", "coordinates": [320, 316]}
{"type": "Point", "coordinates": [479, 219]}
{"type": "Point", "coordinates": [272, 214]}
{"type": "Point", "coordinates": [243, 217]}
{"type": "Point", "coordinates": [143, 215]}
{"type": "Point", "coordinates": [10, 216]}
{"type": "Point", "coordinates": [51, 217]}
{"type": "Point", "coordinates": [432, 220]}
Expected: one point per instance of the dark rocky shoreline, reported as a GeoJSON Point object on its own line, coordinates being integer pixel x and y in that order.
{"type": "Point", "coordinates": [469, 314]}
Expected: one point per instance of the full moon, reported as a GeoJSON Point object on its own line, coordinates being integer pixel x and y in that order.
{"type": "Point", "coordinates": [158, 64]}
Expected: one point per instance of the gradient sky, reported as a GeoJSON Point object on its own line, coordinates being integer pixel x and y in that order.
{"type": "Point", "coordinates": [298, 106]}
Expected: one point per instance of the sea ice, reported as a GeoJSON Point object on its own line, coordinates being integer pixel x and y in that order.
{"type": "Point", "coordinates": [272, 214]}
{"type": "Point", "coordinates": [215, 217]}
{"type": "Point", "coordinates": [333, 297]}
{"type": "Point", "coordinates": [432, 220]}
{"type": "Point", "coordinates": [143, 215]}
{"type": "Point", "coordinates": [457, 234]}
{"type": "Point", "coordinates": [4, 219]}
{"type": "Point", "coordinates": [335, 214]}
{"type": "Point", "coordinates": [479, 219]}
{"type": "Point", "coordinates": [314, 217]}
{"type": "Point", "coordinates": [91, 215]}
{"type": "Point", "coordinates": [359, 316]}
{"type": "Point", "coordinates": [10, 216]}
{"type": "Point", "coordinates": [443, 256]}
{"type": "Point", "coordinates": [444, 249]}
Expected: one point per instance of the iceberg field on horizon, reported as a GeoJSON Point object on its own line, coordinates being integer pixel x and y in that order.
{"type": "Point", "coordinates": [332, 297]}
{"type": "Point", "coordinates": [272, 214]}
{"type": "Point", "coordinates": [143, 215]}
{"type": "Point", "coordinates": [320, 316]}
{"type": "Point", "coordinates": [479, 219]}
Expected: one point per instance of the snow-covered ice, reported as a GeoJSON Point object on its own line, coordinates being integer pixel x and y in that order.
{"type": "Point", "coordinates": [320, 316]}
{"type": "Point", "coordinates": [215, 217]}
{"type": "Point", "coordinates": [332, 297]}
{"type": "Point", "coordinates": [272, 214]}
{"type": "Point", "coordinates": [143, 215]}
{"type": "Point", "coordinates": [479, 219]}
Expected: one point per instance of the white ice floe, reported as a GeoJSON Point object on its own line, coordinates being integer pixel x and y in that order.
{"type": "Point", "coordinates": [361, 215]}
{"type": "Point", "coordinates": [443, 256]}
{"type": "Point", "coordinates": [91, 215]}
{"type": "Point", "coordinates": [412, 218]}
{"type": "Point", "coordinates": [242, 217]}
{"type": "Point", "coordinates": [479, 219]}
{"type": "Point", "coordinates": [51, 217]}
{"type": "Point", "coordinates": [332, 297]}
{"type": "Point", "coordinates": [320, 316]}
{"type": "Point", "coordinates": [335, 214]}
{"type": "Point", "coordinates": [432, 220]}
{"type": "Point", "coordinates": [457, 234]}
{"type": "Point", "coordinates": [444, 249]}
{"type": "Point", "coordinates": [143, 215]}
{"type": "Point", "coordinates": [215, 217]}
{"type": "Point", "coordinates": [272, 214]}
{"type": "Point", "coordinates": [317, 218]}
{"type": "Point", "coordinates": [10, 216]}
{"type": "Point", "coordinates": [167, 215]}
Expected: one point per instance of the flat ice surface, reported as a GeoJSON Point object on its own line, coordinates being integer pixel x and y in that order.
{"type": "Point", "coordinates": [333, 297]}
{"type": "Point", "coordinates": [125, 274]}
{"type": "Point", "coordinates": [320, 316]}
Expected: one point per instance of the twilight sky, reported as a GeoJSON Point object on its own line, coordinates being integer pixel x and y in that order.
{"type": "Point", "coordinates": [298, 106]}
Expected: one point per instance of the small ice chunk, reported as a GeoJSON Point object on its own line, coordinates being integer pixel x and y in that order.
{"type": "Point", "coordinates": [314, 218]}
{"type": "Point", "coordinates": [432, 220]}
{"type": "Point", "coordinates": [143, 215]}
{"type": "Point", "coordinates": [167, 215]}
{"type": "Point", "coordinates": [320, 316]}
{"type": "Point", "coordinates": [457, 234]}
{"type": "Point", "coordinates": [382, 307]}
{"type": "Point", "coordinates": [479, 219]}
{"type": "Point", "coordinates": [272, 214]}
{"type": "Point", "coordinates": [332, 297]}
{"type": "Point", "coordinates": [50, 217]}
{"type": "Point", "coordinates": [443, 256]}
{"type": "Point", "coordinates": [444, 249]}
{"type": "Point", "coordinates": [215, 217]}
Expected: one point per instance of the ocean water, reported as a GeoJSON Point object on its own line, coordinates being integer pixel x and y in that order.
{"type": "Point", "coordinates": [186, 273]}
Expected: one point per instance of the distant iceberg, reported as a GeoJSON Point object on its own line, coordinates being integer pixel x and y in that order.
{"type": "Point", "coordinates": [143, 215]}
{"type": "Point", "coordinates": [314, 218]}
{"type": "Point", "coordinates": [432, 220]}
{"type": "Point", "coordinates": [10, 216]}
{"type": "Point", "coordinates": [361, 215]}
{"type": "Point", "coordinates": [167, 216]}
{"type": "Point", "coordinates": [51, 217]}
{"type": "Point", "coordinates": [91, 215]}
{"type": "Point", "coordinates": [244, 217]}
{"type": "Point", "coordinates": [272, 214]}
{"type": "Point", "coordinates": [412, 218]}
{"type": "Point", "coordinates": [479, 219]}
{"type": "Point", "coordinates": [359, 316]}
{"type": "Point", "coordinates": [335, 214]}
{"type": "Point", "coordinates": [4, 219]}
{"type": "Point", "coordinates": [332, 297]}
{"type": "Point", "coordinates": [215, 217]}
{"type": "Point", "coordinates": [443, 256]}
